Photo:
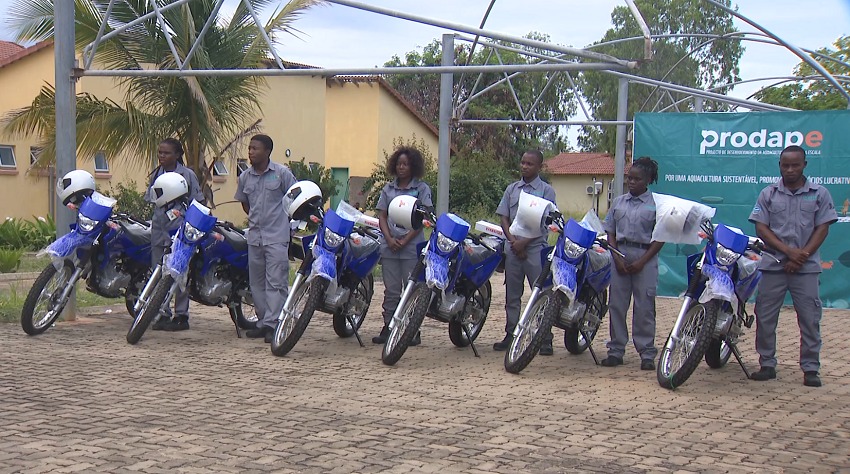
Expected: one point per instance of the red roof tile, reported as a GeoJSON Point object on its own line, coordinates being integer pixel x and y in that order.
{"type": "Point", "coordinates": [23, 52]}
{"type": "Point", "coordinates": [582, 163]}
{"type": "Point", "coordinates": [7, 48]}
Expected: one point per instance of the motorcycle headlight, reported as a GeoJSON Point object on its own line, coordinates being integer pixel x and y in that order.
{"type": "Point", "coordinates": [332, 238]}
{"type": "Point", "coordinates": [572, 249]}
{"type": "Point", "coordinates": [445, 244]}
{"type": "Point", "coordinates": [725, 256]}
{"type": "Point", "coordinates": [192, 233]}
{"type": "Point", "coordinates": [86, 224]}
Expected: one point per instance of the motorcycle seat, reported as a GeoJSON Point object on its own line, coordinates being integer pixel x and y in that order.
{"type": "Point", "coordinates": [137, 233]}
{"type": "Point", "coordinates": [362, 245]}
{"type": "Point", "coordinates": [476, 253]}
{"type": "Point", "coordinates": [234, 239]}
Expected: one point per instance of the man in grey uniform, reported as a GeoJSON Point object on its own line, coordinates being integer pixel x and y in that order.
{"type": "Point", "coordinates": [793, 217]}
{"type": "Point", "coordinates": [170, 155]}
{"type": "Point", "coordinates": [261, 189]}
{"type": "Point", "coordinates": [522, 256]}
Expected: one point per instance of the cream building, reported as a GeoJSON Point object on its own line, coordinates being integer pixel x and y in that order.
{"type": "Point", "coordinates": [582, 181]}
{"type": "Point", "coordinates": [345, 124]}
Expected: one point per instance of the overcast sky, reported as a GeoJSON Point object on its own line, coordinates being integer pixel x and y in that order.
{"type": "Point", "coordinates": [340, 36]}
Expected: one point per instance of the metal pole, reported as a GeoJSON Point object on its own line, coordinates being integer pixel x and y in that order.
{"type": "Point", "coordinates": [444, 149]}
{"type": "Point", "coordinates": [698, 104]}
{"type": "Point", "coordinates": [542, 122]}
{"type": "Point", "coordinates": [620, 150]}
{"type": "Point", "coordinates": [66, 114]}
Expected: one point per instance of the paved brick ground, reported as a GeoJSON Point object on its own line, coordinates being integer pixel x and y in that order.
{"type": "Point", "coordinates": [78, 398]}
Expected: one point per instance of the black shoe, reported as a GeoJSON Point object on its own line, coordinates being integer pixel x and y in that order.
{"type": "Point", "coordinates": [647, 364]}
{"type": "Point", "coordinates": [546, 348]}
{"type": "Point", "coordinates": [179, 323]}
{"type": "Point", "coordinates": [255, 333]}
{"type": "Point", "coordinates": [417, 339]}
{"type": "Point", "coordinates": [764, 373]}
{"type": "Point", "coordinates": [505, 344]}
{"type": "Point", "coordinates": [811, 379]}
{"type": "Point", "coordinates": [161, 323]}
{"type": "Point", "coordinates": [611, 361]}
{"type": "Point", "coordinates": [269, 336]}
{"type": "Point", "coordinates": [382, 338]}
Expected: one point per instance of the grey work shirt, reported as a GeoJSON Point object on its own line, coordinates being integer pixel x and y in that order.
{"type": "Point", "coordinates": [160, 224]}
{"type": "Point", "coordinates": [632, 218]}
{"type": "Point", "coordinates": [268, 222]}
{"type": "Point", "coordinates": [793, 216]}
{"type": "Point", "coordinates": [416, 188]}
{"type": "Point", "coordinates": [510, 202]}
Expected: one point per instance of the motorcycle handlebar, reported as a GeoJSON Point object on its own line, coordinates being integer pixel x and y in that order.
{"type": "Point", "coordinates": [607, 246]}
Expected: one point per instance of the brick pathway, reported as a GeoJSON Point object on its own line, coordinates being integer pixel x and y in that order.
{"type": "Point", "coordinates": [78, 398]}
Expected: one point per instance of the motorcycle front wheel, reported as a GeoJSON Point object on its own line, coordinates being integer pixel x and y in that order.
{"type": "Point", "coordinates": [147, 314]}
{"type": "Point", "coordinates": [480, 301]}
{"type": "Point", "coordinates": [717, 354]}
{"type": "Point", "coordinates": [42, 306]}
{"type": "Point", "coordinates": [358, 306]}
{"type": "Point", "coordinates": [294, 322]}
{"type": "Point", "coordinates": [684, 350]}
{"type": "Point", "coordinates": [412, 314]}
{"type": "Point", "coordinates": [526, 344]}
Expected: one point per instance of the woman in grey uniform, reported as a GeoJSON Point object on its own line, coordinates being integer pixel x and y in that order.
{"type": "Point", "coordinates": [629, 224]}
{"type": "Point", "coordinates": [398, 253]}
{"type": "Point", "coordinates": [163, 222]}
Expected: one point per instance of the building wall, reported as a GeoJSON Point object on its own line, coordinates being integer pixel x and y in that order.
{"type": "Point", "coordinates": [351, 125]}
{"type": "Point", "coordinates": [397, 121]}
{"type": "Point", "coordinates": [572, 197]}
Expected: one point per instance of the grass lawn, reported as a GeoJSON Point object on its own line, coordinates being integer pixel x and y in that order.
{"type": "Point", "coordinates": [12, 300]}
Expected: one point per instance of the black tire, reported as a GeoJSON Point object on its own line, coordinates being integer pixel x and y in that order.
{"type": "Point", "coordinates": [289, 330]}
{"type": "Point", "coordinates": [151, 311]}
{"type": "Point", "coordinates": [238, 311]}
{"type": "Point", "coordinates": [134, 289]}
{"type": "Point", "coordinates": [526, 345]}
{"type": "Point", "coordinates": [43, 292]}
{"type": "Point", "coordinates": [130, 302]}
{"type": "Point", "coordinates": [574, 340]}
{"type": "Point", "coordinates": [364, 291]}
{"type": "Point", "coordinates": [480, 300]}
{"type": "Point", "coordinates": [412, 314]}
{"type": "Point", "coordinates": [696, 330]}
{"type": "Point", "coordinates": [717, 354]}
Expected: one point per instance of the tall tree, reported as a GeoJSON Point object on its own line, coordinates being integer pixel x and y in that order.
{"type": "Point", "coordinates": [202, 112]}
{"type": "Point", "coordinates": [814, 94]}
{"type": "Point", "coordinates": [687, 60]}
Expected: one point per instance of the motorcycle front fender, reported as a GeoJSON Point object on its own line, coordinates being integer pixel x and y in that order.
{"type": "Point", "coordinates": [718, 286]}
{"type": "Point", "coordinates": [564, 277]}
{"type": "Point", "coordinates": [66, 246]}
{"type": "Point", "coordinates": [177, 262]}
{"type": "Point", "coordinates": [324, 264]}
{"type": "Point", "coordinates": [436, 270]}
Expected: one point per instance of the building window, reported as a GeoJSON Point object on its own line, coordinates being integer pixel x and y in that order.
{"type": "Point", "coordinates": [100, 163]}
{"type": "Point", "coordinates": [7, 157]}
{"type": "Point", "coordinates": [241, 166]}
{"type": "Point", "coordinates": [219, 169]}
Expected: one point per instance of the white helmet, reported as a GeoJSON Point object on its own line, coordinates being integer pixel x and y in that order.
{"type": "Point", "coordinates": [531, 211]}
{"type": "Point", "coordinates": [75, 187]}
{"type": "Point", "coordinates": [402, 211]}
{"type": "Point", "coordinates": [672, 220]}
{"type": "Point", "coordinates": [169, 187]}
{"type": "Point", "coordinates": [301, 200]}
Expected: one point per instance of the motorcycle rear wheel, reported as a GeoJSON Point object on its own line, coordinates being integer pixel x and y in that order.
{"type": "Point", "coordinates": [35, 316]}
{"type": "Point", "coordinates": [676, 366]}
{"type": "Point", "coordinates": [526, 344]}
{"type": "Point", "coordinates": [718, 353]}
{"type": "Point", "coordinates": [480, 300]}
{"type": "Point", "coordinates": [289, 329]}
{"type": "Point", "coordinates": [152, 310]}
{"type": "Point", "coordinates": [364, 291]}
{"type": "Point", "coordinates": [574, 340]}
{"type": "Point", "coordinates": [412, 315]}
{"type": "Point", "coordinates": [238, 310]}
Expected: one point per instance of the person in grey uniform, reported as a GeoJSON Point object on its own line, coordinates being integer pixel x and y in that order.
{"type": "Point", "coordinates": [629, 224]}
{"type": "Point", "coordinates": [261, 189]}
{"type": "Point", "coordinates": [170, 154]}
{"type": "Point", "coordinates": [522, 256]}
{"type": "Point", "coordinates": [793, 217]}
{"type": "Point", "coordinates": [398, 252]}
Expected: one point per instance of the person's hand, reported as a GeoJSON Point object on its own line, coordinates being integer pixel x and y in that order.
{"type": "Point", "coordinates": [798, 256]}
{"type": "Point", "coordinates": [394, 244]}
{"type": "Point", "coordinates": [518, 246]}
{"type": "Point", "coordinates": [620, 265]}
{"type": "Point", "coordinates": [635, 267]}
{"type": "Point", "coordinates": [792, 267]}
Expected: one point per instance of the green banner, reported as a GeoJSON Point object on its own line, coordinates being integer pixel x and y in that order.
{"type": "Point", "coordinates": [725, 159]}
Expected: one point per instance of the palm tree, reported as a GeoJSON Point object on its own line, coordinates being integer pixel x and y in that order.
{"type": "Point", "coordinates": [202, 112]}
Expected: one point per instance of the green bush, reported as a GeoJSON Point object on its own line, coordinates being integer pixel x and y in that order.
{"type": "Point", "coordinates": [13, 233]}
{"type": "Point", "coordinates": [130, 200]}
{"type": "Point", "coordinates": [40, 232]}
{"type": "Point", "coordinates": [375, 182]}
{"type": "Point", "coordinates": [11, 303]}
{"type": "Point", "coordinates": [317, 174]}
{"type": "Point", "coordinates": [10, 260]}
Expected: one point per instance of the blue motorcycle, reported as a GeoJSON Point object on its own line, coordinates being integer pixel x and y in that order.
{"type": "Point", "coordinates": [111, 252]}
{"type": "Point", "coordinates": [208, 257]}
{"type": "Point", "coordinates": [571, 293]}
{"type": "Point", "coordinates": [450, 283]}
{"type": "Point", "coordinates": [713, 316]}
{"type": "Point", "coordinates": [335, 275]}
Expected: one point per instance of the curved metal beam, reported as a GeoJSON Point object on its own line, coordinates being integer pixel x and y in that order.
{"type": "Point", "coordinates": [647, 35]}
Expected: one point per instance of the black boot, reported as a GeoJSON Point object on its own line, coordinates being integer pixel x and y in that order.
{"type": "Point", "coordinates": [178, 323]}
{"type": "Point", "coordinates": [382, 338]}
{"type": "Point", "coordinates": [162, 323]}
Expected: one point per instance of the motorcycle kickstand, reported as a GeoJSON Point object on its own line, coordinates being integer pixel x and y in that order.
{"type": "Point", "coordinates": [737, 355]}
{"type": "Point", "coordinates": [350, 320]}
{"type": "Point", "coordinates": [238, 333]}
{"type": "Point", "coordinates": [468, 338]}
{"type": "Point", "coordinates": [590, 347]}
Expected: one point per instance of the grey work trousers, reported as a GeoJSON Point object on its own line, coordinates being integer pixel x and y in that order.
{"type": "Point", "coordinates": [643, 287]}
{"type": "Point", "coordinates": [804, 290]}
{"type": "Point", "coordinates": [395, 272]}
{"type": "Point", "coordinates": [268, 272]}
{"type": "Point", "coordinates": [181, 298]}
{"type": "Point", "coordinates": [518, 271]}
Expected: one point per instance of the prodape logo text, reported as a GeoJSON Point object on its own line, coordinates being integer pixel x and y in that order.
{"type": "Point", "coordinates": [713, 142]}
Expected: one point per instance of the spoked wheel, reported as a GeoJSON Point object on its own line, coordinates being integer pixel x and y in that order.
{"type": "Point", "coordinates": [147, 314]}
{"type": "Point", "coordinates": [295, 320]}
{"type": "Point", "coordinates": [577, 341]}
{"type": "Point", "coordinates": [358, 305]}
{"type": "Point", "coordinates": [43, 306]}
{"type": "Point", "coordinates": [473, 319]}
{"type": "Point", "coordinates": [243, 311]}
{"type": "Point", "coordinates": [403, 332]}
{"type": "Point", "coordinates": [526, 343]}
{"type": "Point", "coordinates": [718, 353]}
{"type": "Point", "coordinates": [131, 294]}
{"type": "Point", "coordinates": [683, 351]}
